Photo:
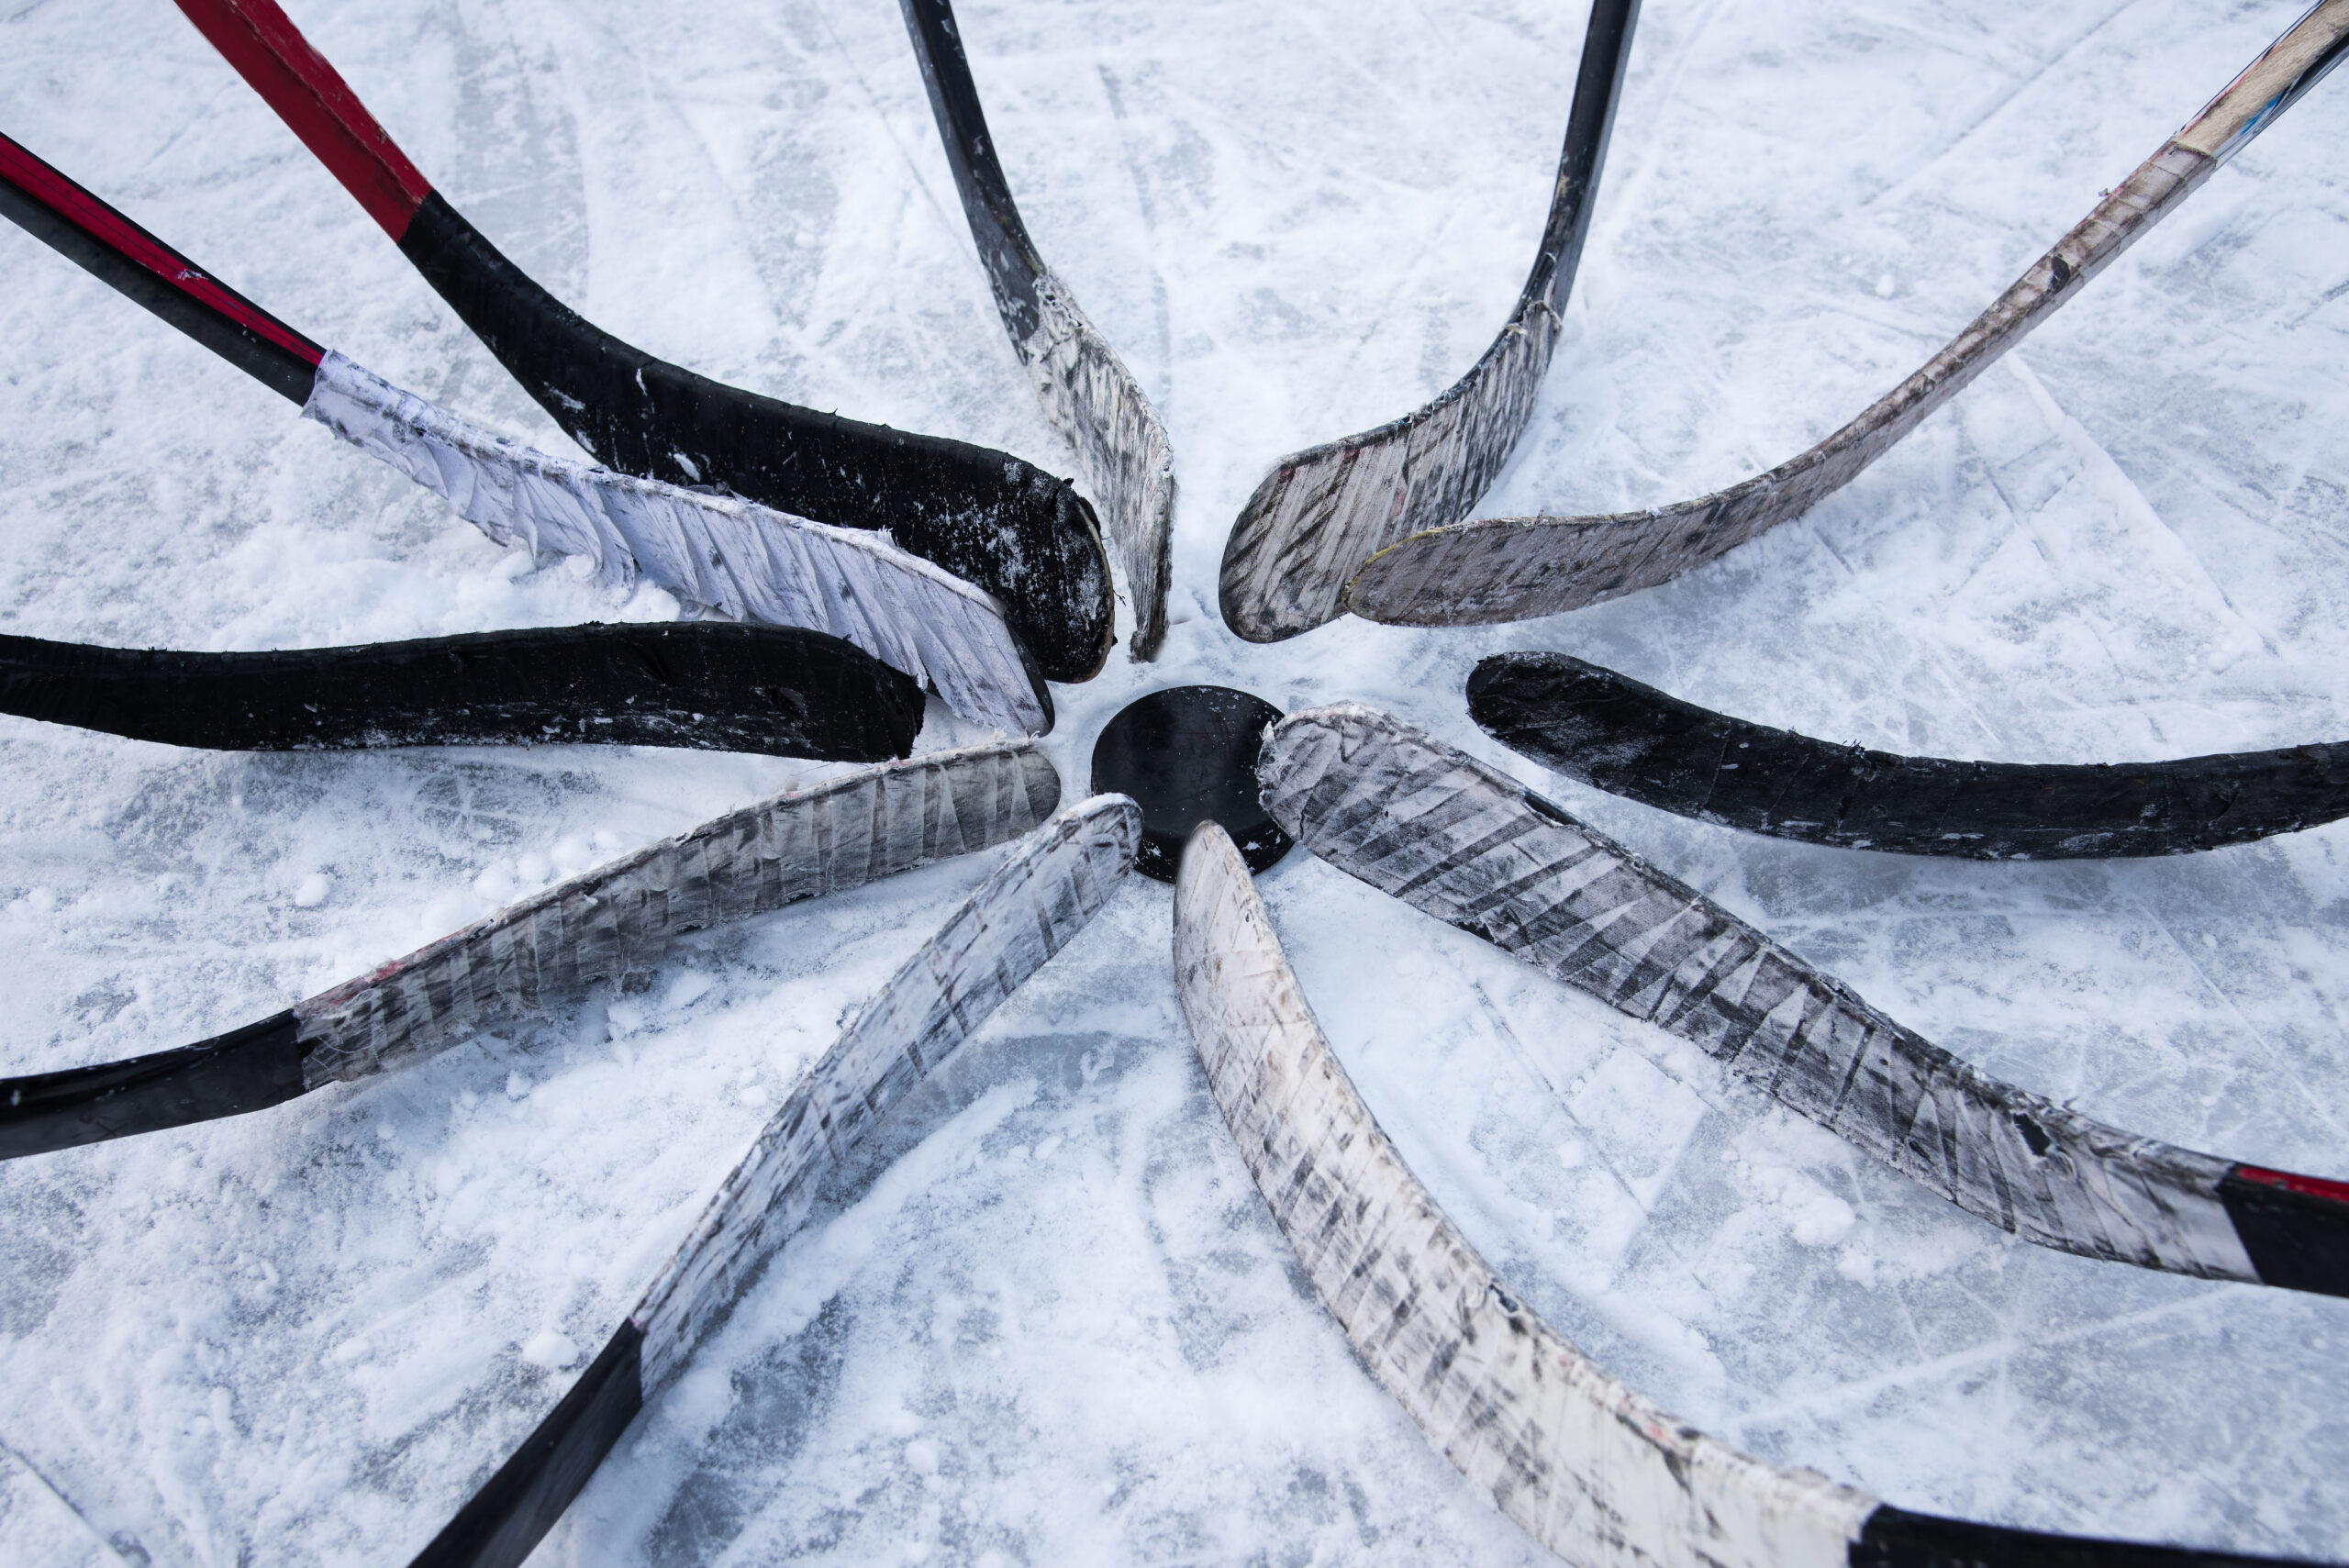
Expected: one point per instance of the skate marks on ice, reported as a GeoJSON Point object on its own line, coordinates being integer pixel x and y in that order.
{"type": "Point", "coordinates": [1504, 569]}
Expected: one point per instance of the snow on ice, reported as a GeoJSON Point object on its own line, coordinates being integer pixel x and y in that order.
{"type": "Point", "coordinates": [1050, 1320]}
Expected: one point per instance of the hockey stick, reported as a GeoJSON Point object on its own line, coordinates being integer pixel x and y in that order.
{"type": "Point", "coordinates": [1500, 568]}
{"type": "Point", "coordinates": [705, 684]}
{"type": "Point", "coordinates": [605, 924]}
{"type": "Point", "coordinates": [1456, 839]}
{"type": "Point", "coordinates": [1023, 914]}
{"type": "Point", "coordinates": [1580, 1460]}
{"type": "Point", "coordinates": [739, 558]}
{"type": "Point", "coordinates": [1019, 533]}
{"type": "Point", "coordinates": [1322, 512]}
{"type": "Point", "coordinates": [1121, 449]}
{"type": "Point", "coordinates": [1613, 733]}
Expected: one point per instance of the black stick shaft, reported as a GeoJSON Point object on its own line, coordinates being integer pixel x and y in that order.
{"type": "Point", "coordinates": [118, 252]}
{"type": "Point", "coordinates": [247, 1069]}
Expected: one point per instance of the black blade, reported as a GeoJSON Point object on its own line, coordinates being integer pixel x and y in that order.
{"type": "Point", "coordinates": [709, 685]}
{"type": "Point", "coordinates": [992, 519]}
{"type": "Point", "coordinates": [1895, 1538]}
{"type": "Point", "coordinates": [1631, 740]}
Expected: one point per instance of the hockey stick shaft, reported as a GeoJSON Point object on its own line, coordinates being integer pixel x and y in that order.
{"type": "Point", "coordinates": [1321, 513]}
{"type": "Point", "coordinates": [261, 43]}
{"type": "Point", "coordinates": [1021, 535]}
{"type": "Point", "coordinates": [1577, 1457]}
{"type": "Point", "coordinates": [88, 232]}
{"type": "Point", "coordinates": [1013, 266]}
{"type": "Point", "coordinates": [1053, 884]}
{"type": "Point", "coordinates": [1412, 816]}
{"type": "Point", "coordinates": [1087, 393]}
{"type": "Point", "coordinates": [705, 684]}
{"type": "Point", "coordinates": [1616, 734]}
{"type": "Point", "coordinates": [607, 924]}
{"type": "Point", "coordinates": [1501, 569]}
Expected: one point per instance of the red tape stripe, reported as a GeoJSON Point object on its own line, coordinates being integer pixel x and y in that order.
{"type": "Point", "coordinates": [93, 218]}
{"type": "Point", "coordinates": [2307, 1186]}
{"type": "Point", "coordinates": [316, 103]}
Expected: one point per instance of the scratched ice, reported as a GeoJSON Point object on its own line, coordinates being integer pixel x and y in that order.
{"type": "Point", "coordinates": [1057, 1326]}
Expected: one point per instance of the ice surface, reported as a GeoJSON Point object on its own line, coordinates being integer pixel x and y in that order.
{"type": "Point", "coordinates": [1059, 1325]}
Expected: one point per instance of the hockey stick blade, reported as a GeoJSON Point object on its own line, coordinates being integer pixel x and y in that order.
{"type": "Point", "coordinates": [1453, 839]}
{"type": "Point", "coordinates": [1018, 532]}
{"type": "Point", "coordinates": [1503, 569]}
{"type": "Point", "coordinates": [607, 924]}
{"type": "Point", "coordinates": [1053, 883]}
{"type": "Point", "coordinates": [1322, 512]}
{"type": "Point", "coordinates": [1613, 733]}
{"type": "Point", "coordinates": [703, 685]}
{"type": "Point", "coordinates": [741, 559]}
{"type": "Point", "coordinates": [1088, 395]}
{"type": "Point", "coordinates": [1580, 1460]}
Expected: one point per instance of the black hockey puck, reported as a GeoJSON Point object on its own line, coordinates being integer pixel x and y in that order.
{"type": "Point", "coordinates": [1188, 755]}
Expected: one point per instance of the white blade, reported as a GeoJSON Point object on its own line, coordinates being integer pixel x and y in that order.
{"type": "Point", "coordinates": [1503, 569]}
{"type": "Point", "coordinates": [1588, 1466]}
{"type": "Point", "coordinates": [1055, 880]}
{"type": "Point", "coordinates": [1456, 839]}
{"type": "Point", "coordinates": [618, 919]}
{"type": "Point", "coordinates": [734, 556]}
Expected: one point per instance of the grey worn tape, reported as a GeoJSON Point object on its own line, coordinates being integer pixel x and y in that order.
{"type": "Point", "coordinates": [1587, 1465]}
{"type": "Point", "coordinates": [1322, 512]}
{"type": "Point", "coordinates": [1053, 884]}
{"type": "Point", "coordinates": [1501, 569]}
{"type": "Point", "coordinates": [734, 556]}
{"type": "Point", "coordinates": [618, 919]}
{"type": "Point", "coordinates": [1468, 845]}
{"type": "Point", "coordinates": [1121, 448]}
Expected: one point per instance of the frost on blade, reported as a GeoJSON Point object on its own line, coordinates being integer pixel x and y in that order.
{"type": "Point", "coordinates": [1448, 835]}
{"type": "Point", "coordinates": [1121, 448]}
{"type": "Point", "coordinates": [1587, 1465]}
{"type": "Point", "coordinates": [1021, 915]}
{"type": "Point", "coordinates": [617, 920]}
{"type": "Point", "coordinates": [744, 560]}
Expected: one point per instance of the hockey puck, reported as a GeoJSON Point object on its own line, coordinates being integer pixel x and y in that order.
{"type": "Point", "coordinates": [1188, 755]}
